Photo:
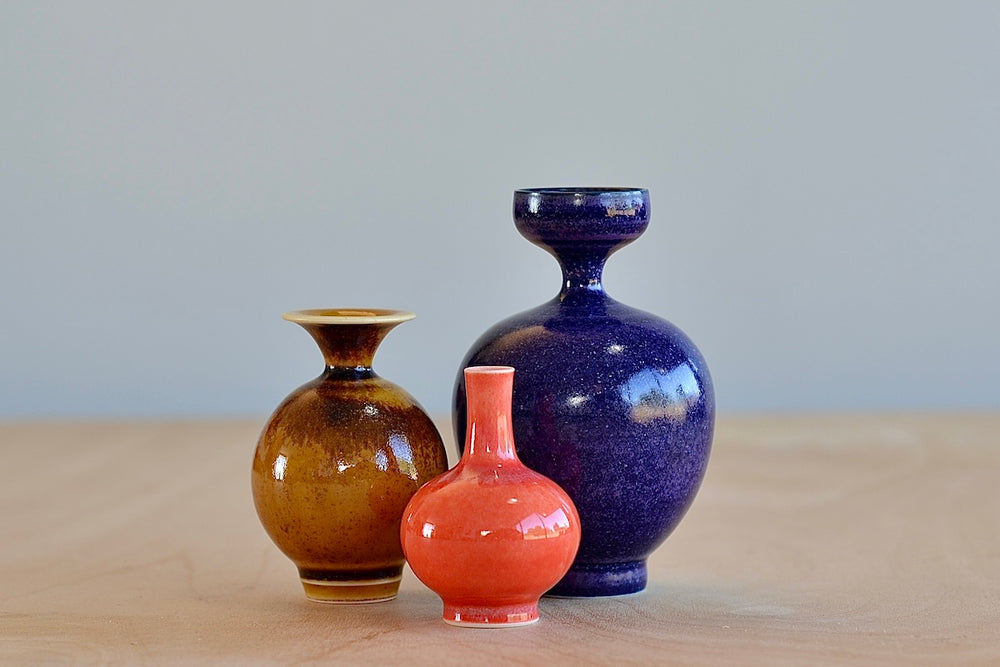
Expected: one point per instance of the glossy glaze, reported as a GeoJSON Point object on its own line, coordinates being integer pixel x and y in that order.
{"type": "Point", "coordinates": [338, 460]}
{"type": "Point", "coordinates": [490, 536]}
{"type": "Point", "coordinates": [614, 404]}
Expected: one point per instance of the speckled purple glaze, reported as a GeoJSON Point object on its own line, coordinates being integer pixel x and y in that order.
{"type": "Point", "coordinates": [614, 404]}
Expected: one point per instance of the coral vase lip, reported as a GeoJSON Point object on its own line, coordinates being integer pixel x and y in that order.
{"type": "Point", "coordinates": [489, 370]}
{"type": "Point", "coordinates": [348, 316]}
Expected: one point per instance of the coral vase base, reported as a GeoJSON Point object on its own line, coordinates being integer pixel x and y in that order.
{"type": "Point", "coordinates": [493, 616]}
{"type": "Point", "coordinates": [351, 592]}
{"type": "Point", "coordinates": [601, 581]}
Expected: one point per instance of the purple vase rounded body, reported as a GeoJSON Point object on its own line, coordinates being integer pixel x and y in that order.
{"type": "Point", "coordinates": [613, 404]}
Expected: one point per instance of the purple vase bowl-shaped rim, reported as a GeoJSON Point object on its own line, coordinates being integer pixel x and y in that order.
{"type": "Point", "coordinates": [554, 216]}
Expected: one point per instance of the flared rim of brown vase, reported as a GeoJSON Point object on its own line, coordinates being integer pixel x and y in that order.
{"type": "Point", "coordinates": [348, 316]}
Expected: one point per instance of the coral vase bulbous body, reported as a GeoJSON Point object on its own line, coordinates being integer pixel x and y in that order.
{"type": "Point", "coordinates": [339, 459]}
{"type": "Point", "coordinates": [490, 536]}
{"type": "Point", "coordinates": [614, 404]}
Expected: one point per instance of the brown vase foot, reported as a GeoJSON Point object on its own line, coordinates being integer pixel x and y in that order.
{"type": "Point", "coordinates": [361, 591]}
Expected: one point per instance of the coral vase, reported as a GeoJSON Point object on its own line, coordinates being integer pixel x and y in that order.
{"type": "Point", "coordinates": [490, 536]}
{"type": "Point", "coordinates": [338, 460]}
{"type": "Point", "coordinates": [612, 403]}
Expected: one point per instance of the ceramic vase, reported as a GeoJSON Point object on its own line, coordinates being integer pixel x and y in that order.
{"type": "Point", "coordinates": [490, 536]}
{"type": "Point", "coordinates": [612, 403]}
{"type": "Point", "coordinates": [338, 460]}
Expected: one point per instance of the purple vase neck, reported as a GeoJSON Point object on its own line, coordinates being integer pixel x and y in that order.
{"type": "Point", "coordinates": [581, 227]}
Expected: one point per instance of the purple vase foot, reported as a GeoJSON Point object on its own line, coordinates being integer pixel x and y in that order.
{"type": "Point", "coordinates": [591, 581]}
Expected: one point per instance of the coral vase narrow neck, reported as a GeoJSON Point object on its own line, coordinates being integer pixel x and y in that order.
{"type": "Point", "coordinates": [489, 439]}
{"type": "Point", "coordinates": [347, 338]}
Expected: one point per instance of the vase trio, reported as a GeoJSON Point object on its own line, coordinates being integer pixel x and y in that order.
{"type": "Point", "coordinates": [584, 427]}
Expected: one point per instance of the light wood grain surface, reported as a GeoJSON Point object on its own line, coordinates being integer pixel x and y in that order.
{"type": "Point", "coordinates": [814, 540]}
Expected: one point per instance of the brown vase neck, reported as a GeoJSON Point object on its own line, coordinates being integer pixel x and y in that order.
{"type": "Point", "coordinates": [348, 346]}
{"type": "Point", "coordinates": [348, 339]}
{"type": "Point", "coordinates": [489, 439]}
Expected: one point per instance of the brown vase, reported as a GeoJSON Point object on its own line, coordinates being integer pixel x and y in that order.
{"type": "Point", "coordinates": [339, 459]}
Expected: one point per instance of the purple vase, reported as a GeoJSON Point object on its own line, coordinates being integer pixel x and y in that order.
{"type": "Point", "coordinates": [612, 403]}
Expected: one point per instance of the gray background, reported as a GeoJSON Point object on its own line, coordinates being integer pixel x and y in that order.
{"type": "Point", "coordinates": [173, 176]}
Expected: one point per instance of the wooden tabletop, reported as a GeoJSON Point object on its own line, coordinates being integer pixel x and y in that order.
{"type": "Point", "coordinates": [832, 539]}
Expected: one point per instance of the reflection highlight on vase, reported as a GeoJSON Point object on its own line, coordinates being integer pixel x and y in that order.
{"type": "Point", "coordinates": [657, 394]}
